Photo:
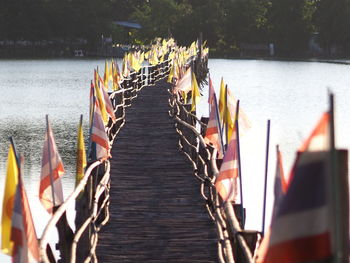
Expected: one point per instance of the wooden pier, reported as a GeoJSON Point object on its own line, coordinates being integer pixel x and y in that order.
{"type": "Point", "coordinates": [156, 212]}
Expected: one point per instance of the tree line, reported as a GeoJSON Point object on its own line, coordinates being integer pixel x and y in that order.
{"type": "Point", "coordinates": [227, 25]}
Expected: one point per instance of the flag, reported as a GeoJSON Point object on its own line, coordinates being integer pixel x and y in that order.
{"type": "Point", "coordinates": [222, 100]}
{"type": "Point", "coordinates": [7, 204]}
{"type": "Point", "coordinates": [100, 98]}
{"type": "Point", "coordinates": [99, 135]}
{"type": "Point", "coordinates": [196, 95]}
{"type": "Point", "coordinates": [212, 134]}
{"type": "Point", "coordinates": [92, 102]}
{"type": "Point", "coordinates": [107, 102]}
{"type": "Point", "coordinates": [106, 75]}
{"type": "Point", "coordinates": [171, 74]}
{"type": "Point", "coordinates": [319, 138]}
{"type": "Point", "coordinates": [81, 154]}
{"type": "Point", "coordinates": [243, 121]}
{"type": "Point", "coordinates": [211, 95]}
{"type": "Point", "coordinates": [301, 229]}
{"type": "Point", "coordinates": [51, 172]}
{"type": "Point", "coordinates": [125, 67]}
{"type": "Point", "coordinates": [226, 182]}
{"type": "Point", "coordinates": [116, 77]}
{"type": "Point", "coordinates": [281, 185]}
{"type": "Point", "coordinates": [23, 235]}
{"type": "Point", "coordinates": [185, 83]}
{"type": "Point", "coordinates": [280, 188]}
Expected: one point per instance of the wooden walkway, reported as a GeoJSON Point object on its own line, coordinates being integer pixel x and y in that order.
{"type": "Point", "coordinates": [157, 214]}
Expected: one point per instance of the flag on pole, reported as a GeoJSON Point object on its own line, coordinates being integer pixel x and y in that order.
{"type": "Point", "coordinates": [196, 95]}
{"type": "Point", "coordinates": [211, 95]}
{"type": "Point", "coordinates": [106, 75]}
{"type": "Point", "coordinates": [116, 76]}
{"type": "Point", "coordinates": [100, 98]}
{"type": "Point", "coordinates": [92, 102]}
{"type": "Point", "coordinates": [226, 182]}
{"type": "Point", "coordinates": [99, 135]}
{"type": "Point", "coordinates": [212, 134]}
{"type": "Point", "coordinates": [244, 123]}
{"type": "Point", "coordinates": [23, 235]}
{"type": "Point", "coordinates": [185, 83]}
{"type": "Point", "coordinates": [7, 204]}
{"type": "Point", "coordinates": [107, 102]}
{"type": "Point", "coordinates": [319, 138]}
{"type": "Point", "coordinates": [301, 229]}
{"type": "Point", "coordinates": [171, 73]}
{"type": "Point", "coordinates": [81, 153]}
{"type": "Point", "coordinates": [280, 188]}
{"type": "Point", "coordinates": [222, 100]}
{"type": "Point", "coordinates": [125, 67]}
{"type": "Point", "coordinates": [50, 190]}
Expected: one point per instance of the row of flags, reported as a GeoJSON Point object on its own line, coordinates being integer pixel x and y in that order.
{"type": "Point", "coordinates": [18, 236]}
{"type": "Point", "coordinates": [301, 229]}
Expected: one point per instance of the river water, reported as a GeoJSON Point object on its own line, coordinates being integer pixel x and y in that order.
{"type": "Point", "coordinates": [293, 95]}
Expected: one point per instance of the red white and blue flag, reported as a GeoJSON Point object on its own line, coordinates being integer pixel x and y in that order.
{"type": "Point", "coordinates": [212, 134]}
{"type": "Point", "coordinates": [23, 235]}
{"type": "Point", "coordinates": [50, 190]}
{"type": "Point", "coordinates": [301, 227]}
{"type": "Point", "coordinates": [99, 135]}
{"type": "Point", "coordinates": [226, 182]}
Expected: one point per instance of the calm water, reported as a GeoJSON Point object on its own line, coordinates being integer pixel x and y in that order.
{"type": "Point", "coordinates": [292, 94]}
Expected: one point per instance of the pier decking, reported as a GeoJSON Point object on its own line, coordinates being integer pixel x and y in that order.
{"type": "Point", "coordinates": [157, 214]}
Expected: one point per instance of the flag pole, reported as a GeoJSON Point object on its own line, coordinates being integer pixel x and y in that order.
{"type": "Point", "coordinates": [239, 162]}
{"type": "Point", "coordinates": [219, 124]}
{"type": "Point", "coordinates": [218, 119]}
{"type": "Point", "coordinates": [49, 156]}
{"type": "Point", "coordinates": [266, 172]}
{"type": "Point", "coordinates": [92, 119]}
{"type": "Point", "coordinates": [225, 119]}
{"type": "Point", "coordinates": [338, 224]}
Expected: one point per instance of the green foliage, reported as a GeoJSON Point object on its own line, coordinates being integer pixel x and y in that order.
{"type": "Point", "coordinates": [332, 20]}
{"type": "Point", "coordinates": [226, 24]}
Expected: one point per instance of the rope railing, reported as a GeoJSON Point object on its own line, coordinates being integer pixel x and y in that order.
{"type": "Point", "coordinates": [204, 163]}
{"type": "Point", "coordinates": [92, 193]}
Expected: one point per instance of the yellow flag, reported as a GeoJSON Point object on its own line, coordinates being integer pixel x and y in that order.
{"type": "Point", "coordinates": [134, 63]}
{"type": "Point", "coordinates": [196, 95]}
{"type": "Point", "coordinates": [100, 100]}
{"type": "Point", "coordinates": [106, 75]}
{"type": "Point", "coordinates": [222, 100]}
{"type": "Point", "coordinates": [7, 204]}
{"type": "Point", "coordinates": [171, 74]}
{"type": "Point", "coordinates": [81, 155]}
{"type": "Point", "coordinates": [115, 75]}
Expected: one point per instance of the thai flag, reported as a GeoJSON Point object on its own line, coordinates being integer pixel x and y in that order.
{"type": "Point", "coordinates": [212, 134]}
{"type": "Point", "coordinates": [50, 190]}
{"type": "Point", "coordinates": [23, 235]}
{"type": "Point", "coordinates": [107, 101]}
{"type": "Point", "coordinates": [226, 182]}
{"type": "Point", "coordinates": [301, 226]}
{"type": "Point", "coordinates": [99, 135]}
